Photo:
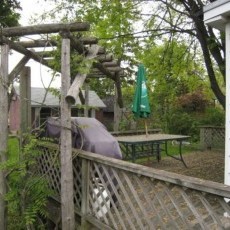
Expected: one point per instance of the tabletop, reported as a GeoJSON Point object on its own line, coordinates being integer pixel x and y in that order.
{"type": "Point", "coordinates": [151, 137]}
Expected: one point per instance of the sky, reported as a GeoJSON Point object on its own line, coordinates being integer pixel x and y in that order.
{"type": "Point", "coordinates": [40, 75]}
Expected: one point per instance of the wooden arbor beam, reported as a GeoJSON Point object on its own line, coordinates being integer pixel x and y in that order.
{"type": "Point", "coordinates": [24, 51]}
{"type": "Point", "coordinates": [100, 67]}
{"type": "Point", "coordinates": [45, 29]}
{"type": "Point", "coordinates": [17, 69]}
{"type": "Point", "coordinates": [51, 42]}
{"type": "Point", "coordinates": [73, 91]}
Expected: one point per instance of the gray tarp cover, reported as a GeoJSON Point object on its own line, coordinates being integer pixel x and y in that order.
{"type": "Point", "coordinates": [88, 134]}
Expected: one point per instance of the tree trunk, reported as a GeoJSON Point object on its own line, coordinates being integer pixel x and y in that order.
{"type": "Point", "coordinates": [210, 47]}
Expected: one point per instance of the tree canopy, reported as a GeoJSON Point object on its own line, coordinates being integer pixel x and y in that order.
{"type": "Point", "coordinates": [125, 26]}
{"type": "Point", "coordinates": [8, 11]}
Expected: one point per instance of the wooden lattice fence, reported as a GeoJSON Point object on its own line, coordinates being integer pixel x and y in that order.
{"type": "Point", "coordinates": [212, 137]}
{"type": "Point", "coordinates": [114, 194]}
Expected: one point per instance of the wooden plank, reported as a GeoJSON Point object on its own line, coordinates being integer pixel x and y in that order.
{"type": "Point", "coordinates": [118, 89]}
{"type": "Point", "coordinates": [110, 64]}
{"type": "Point", "coordinates": [3, 129]}
{"type": "Point", "coordinates": [44, 29]}
{"type": "Point", "coordinates": [67, 204]}
{"type": "Point", "coordinates": [105, 71]}
{"type": "Point", "coordinates": [109, 68]}
{"type": "Point", "coordinates": [85, 193]}
{"type": "Point", "coordinates": [51, 43]}
{"type": "Point", "coordinates": [17, 69]}
{"type": "Point", "coordinates": [104, 57]}
{"type": "Point", "coordinates": [24, 51]}
{"type": "Point", "coordinates": [78, 45]}
{"type": "Point", "coordinates": [86, 108]}
{"type": "Point", "coordinates": [121, 212]}
{"type": "Point", "coordinates": [25, 101]}
{"type": "Point", "coordinates": [73, 91]}
{"type": "Point", "coordinates": [37, 43]}
{"type": "Point", "coordinates": [186, 181]}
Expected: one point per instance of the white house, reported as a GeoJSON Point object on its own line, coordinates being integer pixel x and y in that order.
{"type": "Point", "coordinates": [217, 15]}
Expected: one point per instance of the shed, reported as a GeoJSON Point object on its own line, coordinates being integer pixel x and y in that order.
{"type": "Point", "coordinates": [45, 106]}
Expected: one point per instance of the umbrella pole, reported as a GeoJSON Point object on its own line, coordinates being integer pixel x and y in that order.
{"type": "Point", "coordinates": [146, 128]}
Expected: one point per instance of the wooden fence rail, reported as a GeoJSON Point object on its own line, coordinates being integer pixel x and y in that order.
{"type": "Point", "coordinates": [114, 194]}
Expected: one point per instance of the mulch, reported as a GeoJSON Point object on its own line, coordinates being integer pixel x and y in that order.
{"type": "Point", "coordinates": [207, 165]}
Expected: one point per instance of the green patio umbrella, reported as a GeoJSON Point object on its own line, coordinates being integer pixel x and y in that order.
{"type": "Point", "coordinates": [140, 107]}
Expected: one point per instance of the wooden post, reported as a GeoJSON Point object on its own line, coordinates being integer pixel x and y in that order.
{"type": "Point", "coordinates": [117, 112]}
{"type": "Point", "coordinates": [17, 69]}
{"type": "Point", "coordinates": [67, 204]}
{"type": "Point", "coordinates": [86, 108]}
{"type": "Point", "coordinates": [25, 102]}
{"type": "Point", "coordinates": [85, 194]}
{"type": "Point", "coordinates": [227, 110]}
{"type": "Point", "coordinates": [79, 79]}
{"type": "Point", "coordinates": [3, 130]}
{"type": "Point", "coordinates": [93, 113]}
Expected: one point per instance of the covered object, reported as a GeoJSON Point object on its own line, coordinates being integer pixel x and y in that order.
{"type": "Point", "coordinates": [88, 134]}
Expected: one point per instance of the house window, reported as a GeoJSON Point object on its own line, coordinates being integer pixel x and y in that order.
{"type": "Point", "coordinates": [44, 113]}
{"type": "Point", "coordinates": [76, 112]}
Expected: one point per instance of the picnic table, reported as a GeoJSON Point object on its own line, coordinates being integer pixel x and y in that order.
{"type": "Point", "coordinates": [138, 146]}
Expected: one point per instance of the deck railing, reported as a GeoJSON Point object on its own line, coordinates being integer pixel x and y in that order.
{"type": "Point", "coordinates": [114, 194]}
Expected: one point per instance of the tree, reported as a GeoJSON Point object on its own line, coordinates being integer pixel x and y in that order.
{"type": "Point", "coordinates": [172, 20]}
{"type": "Point", "coordinates": [9, 15]}
{"type": "Point", "coordinates": [183, 20]}
{"type": "Point", "coordinates": [114, 31]}
{"type": "Point", "coordinates": [173, 71]}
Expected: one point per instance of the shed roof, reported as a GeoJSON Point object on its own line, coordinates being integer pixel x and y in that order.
{"type": "Point", "coordinates": [38, 94]}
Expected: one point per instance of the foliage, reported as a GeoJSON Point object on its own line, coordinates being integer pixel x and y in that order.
{"type": "Point", "coordinates": [214, 116]}
{"type": "Point", "coordinates": [100, 14]}
{"type": "Point", "coordinates": [183, 20]}
{"type": "Point", "coordinates": [183, 123]}
{"type": "Point", "coordinates": [181, 55]}
{"type": "Point", "coordinates": [27, 191]}
{"type": "Point", "coordinates": [8, 13]}
{"type": "Point", "coordinates": [192, 102]}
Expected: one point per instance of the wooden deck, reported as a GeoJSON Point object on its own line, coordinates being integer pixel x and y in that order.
{"type": "Point", "coordinates": [114, 194]}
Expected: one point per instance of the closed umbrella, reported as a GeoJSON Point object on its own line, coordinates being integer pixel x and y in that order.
{"type": "Point", "coordinates": [140, 107]}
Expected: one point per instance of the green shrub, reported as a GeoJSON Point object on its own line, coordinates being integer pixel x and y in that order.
{"type": "Point", "coordinates": [184, 124]}
{"type": "Point", "coordinates": [27, 191]}
{"type": "Point", "coordinates": [213, 116]}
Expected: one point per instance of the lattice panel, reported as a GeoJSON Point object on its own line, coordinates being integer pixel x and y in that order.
{"type": "Point", "coordinates": [214, 137]}
{"type": "Point", "coordinates": [218, 137]}
{"type": "Point", "coordinates": [77, 175]}
{"type": "Point", "coordinates": [124, 200]}
{"type": "Point", "coordinates": [48, 165]}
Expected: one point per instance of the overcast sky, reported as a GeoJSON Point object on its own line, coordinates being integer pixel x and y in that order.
{"type": "Point", "coordinates": [39, 73]}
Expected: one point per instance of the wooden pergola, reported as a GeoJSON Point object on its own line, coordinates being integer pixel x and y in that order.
{"type": "Point", "coordinates": [102, 66]}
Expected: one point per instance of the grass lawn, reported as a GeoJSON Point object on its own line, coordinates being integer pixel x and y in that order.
{"type": "Point", "coordinates": [13, 148]}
